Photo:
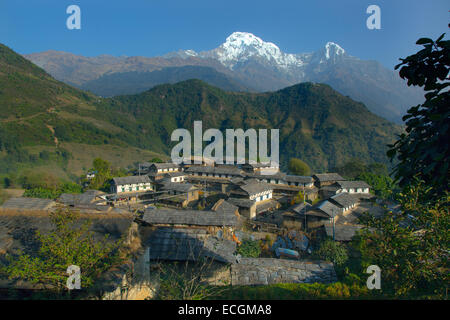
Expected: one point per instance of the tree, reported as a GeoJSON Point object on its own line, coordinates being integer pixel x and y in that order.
{"type": "Point", "coordinates": [411, 246]}
{"type": "Point", "coordinates": [298, 167]}
{"type": "Point", "coordinates": [69, 243]}
{"type": "Point", "coordinates": [423, 151]}
{"type": "Point", "coordinates": [156, 160]}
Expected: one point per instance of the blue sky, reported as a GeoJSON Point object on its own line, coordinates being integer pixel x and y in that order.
{"type": "Point", "coordinates": [155, 27]}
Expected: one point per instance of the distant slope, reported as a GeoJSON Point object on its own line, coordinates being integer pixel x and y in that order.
{"type": "Point", "coordinates": [316, 123]}
{"type": "Point", "coordinates": [48, 123]}
{"type": "Point", "coordinates": [136, 82]}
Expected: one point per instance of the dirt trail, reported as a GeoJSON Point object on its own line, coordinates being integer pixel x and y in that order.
{"type": "Point", "coordinates": [53, 133]}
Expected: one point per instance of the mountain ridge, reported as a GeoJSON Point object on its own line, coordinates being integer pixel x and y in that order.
{"type": "Point", "coordinates": [258, 65]}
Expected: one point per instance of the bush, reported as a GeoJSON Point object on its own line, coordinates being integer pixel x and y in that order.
{"type": "Point", "coordinates": [249, 249]}
{"type": "Point", "coordinates": [332, 251]}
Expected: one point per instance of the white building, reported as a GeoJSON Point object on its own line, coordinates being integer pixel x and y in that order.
{"type": "Point", "coordinates": [131, 184]}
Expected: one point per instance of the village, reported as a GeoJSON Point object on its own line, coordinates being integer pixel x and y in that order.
{"type": "Point", "coordinates": [188, 212]}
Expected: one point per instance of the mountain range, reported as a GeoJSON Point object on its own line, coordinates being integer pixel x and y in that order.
{"type": "Point", "coordinates": [45, 122]}
{"type": "Point", "coordinates": [244, 62]}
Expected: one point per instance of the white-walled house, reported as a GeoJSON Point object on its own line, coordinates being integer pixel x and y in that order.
{"type": "Point", "coordinates": [255, 190]}
{"type": "Point", "coordinates": [353, 187]}
{"type": "Point", "coordinates": [131, 184]}
{"type": "Point", "coordinates": [161, 168]}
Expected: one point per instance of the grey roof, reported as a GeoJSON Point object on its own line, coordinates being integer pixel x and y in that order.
{"type": "Point", "coordinates": [329, 208]}
{"type": "Point", "coordinates": [174, 174]}
{"type": "Point", "coordinates": [353, 184]}
{"type": "Point", "coordinates": [131, 180]}
{"type": "Point", "coordinates": [255, 187]}
{"type": "Point", "coordinates": [180, 187]}
{"type": "Point", "coordinates": [165, 165]}
{"type": "Point", "coordinates": [325, 177]}
{"type": "Point", "coordinates": [241, 202]}
{"type": "Point", "coordinates": [23, 203]}
{"type": "Point", "coordinates": [79, 199]}
{"type": "Point", "coordinates": [189, 217]}
{"type": "Point", "coordinates": [342, 232]}
{"type": "Point", "coordinates": [300, 208]}
{"type": "Point", "coordinates": [266, 205]}
{"type": "Point", "coordinates": [189, 244]}
{"type": "Point", "coordinates": [223, 206]}
{"type": "Point", "coordinates": [299, 179]}
{"type": "Point", "coordinates": [230, 170]}
{"type": "Point", "coordinates": [281, 176]}
{"type": "Point", "coordinates": [344, 199]}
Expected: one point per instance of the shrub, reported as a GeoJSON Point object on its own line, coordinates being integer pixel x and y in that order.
{"type": "Point", "coordinates": [332, 251]}
{"type": "Point", "coordinates": [249, 248]}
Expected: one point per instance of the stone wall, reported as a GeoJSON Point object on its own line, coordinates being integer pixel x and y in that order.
{"type": "Point", "coordinates": [264, 271]}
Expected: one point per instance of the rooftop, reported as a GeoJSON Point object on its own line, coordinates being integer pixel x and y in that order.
{"type": "Point", "coordinates": [131, 180]}
{"type": "Point", "coordinates": [344, 199]}
{"type": "Point", "coordinates": [353, 184]}
{"type": "Point", "coordinates": [326, 177]}
{"type": "Point", "coordinates": [189, 244]}
{"type": "Point", "coordinates": [23, 203]}
{"type": "Point", "coordinates": [189, 217]}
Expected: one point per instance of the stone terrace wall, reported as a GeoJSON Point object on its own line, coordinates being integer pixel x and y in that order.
{"type": "Point", "coordinates": [264, 271]}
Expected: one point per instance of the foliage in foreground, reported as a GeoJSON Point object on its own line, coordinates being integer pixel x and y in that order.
{"type": "Point", "coordinates": [411, 247]}
{"type": "Point", "coordinates": [69, 243]}
{"type": "Point", "coordinates": [423, 151]}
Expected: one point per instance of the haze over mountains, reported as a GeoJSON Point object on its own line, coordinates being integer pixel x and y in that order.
{"type": "Point", "coordinates": [44, 122]}
{"type": "Point", "coordinates": [243, 62]}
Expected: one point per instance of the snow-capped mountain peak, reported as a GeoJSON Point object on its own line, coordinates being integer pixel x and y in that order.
{"type": "Point", "coordinates": [333, 49]}
{"type": "Point", "coordinates": [241, 46]}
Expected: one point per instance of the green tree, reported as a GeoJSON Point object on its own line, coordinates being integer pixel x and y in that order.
{"type": "Point", "coordinates": [299, 167]}
{"type": "Point", "coordinates": [411, 246]}
{"type": "Point", "coordinates": [70, 243]}
{"type": "Point", "coordinates": [156, 160]}
{"type": "Point", "coordinates": [423, 151]}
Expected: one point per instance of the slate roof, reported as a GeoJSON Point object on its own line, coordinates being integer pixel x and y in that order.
{"type": "Point", "coordinates": [299, 179]}
{"type": "Point", "coordinates": [23, 203]}
{"type": "Point", "coordinates": [326, 177]}
{"type": "Point", "coordinates": [353, 184]}
{"type": "Point", "coordinates": [342, 232]}
{"type": "Point", "coordinates": [329, 208]}
{"type": "Point", "coordinates": [189, 244]}
{"type": "Point", "coordinates": [174, 174]}
{"type": "Point", "coordinates": [180, 187]}
{"type": "Point", "coordinates": [131, 180]}
{"type": "Point", "coordinates": [300, 208]}
{"type": "Point", "coordinates": [223, 206]}
{"type": "Point", "coordinates": [344, 199]}
{"type": "Point", "coordinates": [231, 170]}
{"type": "Point", "coordinates": [85, 198]}
{"type": "Point", "coordinates": [241, 202]}
{"type": "Point", "coordinates": [256, 187]}
{"type": "Point", "coordinates": [165, 165]}
{"type": "Point", "coordinates": [189, 217]}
